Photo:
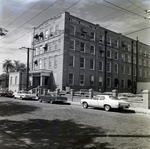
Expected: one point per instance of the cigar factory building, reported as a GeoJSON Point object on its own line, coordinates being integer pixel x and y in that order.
{"type": "Point", "coordinates": [71, 52]}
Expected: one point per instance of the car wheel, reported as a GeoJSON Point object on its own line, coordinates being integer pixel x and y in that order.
{"type": "Point", "coordinates": [40, 100]}
{"type": "Point", "coordinates": [51, 102]}
{"type": "Point", "coordinates": [85, 105]}
{"type": "Point", "coordinates": [107, 108]}
{"type": "Point", "coordinates": [21, 98]}
{"type": "Point", "coordinates": [14, 97]}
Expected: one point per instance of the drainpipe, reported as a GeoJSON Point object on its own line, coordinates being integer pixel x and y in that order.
{"type": "Point", "coordinates": [132, 77]}
{"type": "Point", "coordinates": [137, 63]}
{"type": "Point", "coordinates": [105, 63]}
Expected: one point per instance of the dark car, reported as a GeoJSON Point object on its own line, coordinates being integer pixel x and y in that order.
{"type": "Point", "coordinates": [52, 97]}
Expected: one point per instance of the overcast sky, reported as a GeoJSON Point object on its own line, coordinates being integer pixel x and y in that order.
{"type": "Point", "coordinates": [20, 16]}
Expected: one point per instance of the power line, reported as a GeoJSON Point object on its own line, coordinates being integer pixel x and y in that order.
{"type": "Point", "coordinates": [136, 5]}
{"type": "Point", "coordinates": [124, 9]}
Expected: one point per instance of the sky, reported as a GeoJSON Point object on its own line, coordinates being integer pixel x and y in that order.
{"type": "Point", "coordinates": [19, 17]}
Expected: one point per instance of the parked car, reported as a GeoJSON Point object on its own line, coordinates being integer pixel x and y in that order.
{"type": "Point", "coordinates": [52, 97]}
{"type": "Point", "coordinates": [6, 93]}
{"type": "Point", "coordinates": [105, 101]}
{"type": "Point", "coordinates": [82, 92]}
{"type": "Point", "coordinates": [24, 95]}
{"type": "Point", "coordinates": [130, 97]}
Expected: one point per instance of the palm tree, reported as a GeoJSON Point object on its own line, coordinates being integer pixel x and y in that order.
{"type": "Point", "coordinates": [7, 66]}
{"type": "Point", "coordinates": [19, 66]}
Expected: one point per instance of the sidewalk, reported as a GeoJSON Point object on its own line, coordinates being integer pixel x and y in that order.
{"type": "Point", "coordinates": [76, 101]}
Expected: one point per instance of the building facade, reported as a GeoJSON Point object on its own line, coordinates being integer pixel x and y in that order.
{"type": "Point", "coordinates": [71, 52]}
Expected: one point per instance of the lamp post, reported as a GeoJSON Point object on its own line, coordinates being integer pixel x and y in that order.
{"type": "Point", "coordinates": [28, 50]}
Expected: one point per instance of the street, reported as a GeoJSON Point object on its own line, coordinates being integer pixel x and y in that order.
{"type": "Point", "coordinates": [35, 125]}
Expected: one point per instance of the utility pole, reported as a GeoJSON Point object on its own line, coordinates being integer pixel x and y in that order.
{"type": "Point", "coordinates": [105, 61]}
{"type": "Point", "coordinates": [28, 50]}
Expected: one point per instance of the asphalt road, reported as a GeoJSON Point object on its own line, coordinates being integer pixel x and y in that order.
{"type": "Point", "coordinates": [26, 124]}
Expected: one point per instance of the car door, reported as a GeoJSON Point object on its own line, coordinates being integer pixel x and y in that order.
{"type": "Point", "coordinates": [101, 101]}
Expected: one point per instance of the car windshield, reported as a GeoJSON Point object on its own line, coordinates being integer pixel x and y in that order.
{"type": "Point", "coordinates": [114, 98]}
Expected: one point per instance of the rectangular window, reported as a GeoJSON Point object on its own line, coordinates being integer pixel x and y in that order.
{"type": "Point", "coordinates": [92, 36]}
{"type": "Point", "coordinates": [145, 73]}
{"type": "Point", "coordinates": [82, 47]}
{"type": "Point", "coordinates": [91, 80]}
{"type": "Point", "coordinates": [134, 71]}
{"type": "Point", "coordinates": [44, 62]}
{"type": "Point", "coordinates": [108, 53]}
{"type": "Point", "coordinates": [140, 72]}
{"type": "Point", "coordinates": [116, 68]}
{"type": "Point", "coordinates": [134, 60]}
{"type": "Point", "coordinates": [129, 70]}
{"type": "Point", "coordinates": [82, 62]}
{"type": "Point", "coordinates": [11, 80]}
{"type": "Point", "coordinates": [50, 62]}
{"type": "Point", "coordinates": [91, 64]}
{"type": "Point", "coordinates": [40, 63]}
{"type": "Point", "coordinates": [108, 82]}
{"type": "Point", "coordinates": [116, 55]}
{"type": "Point", "coordinates": [100, 65]}
{"type": "Point", "coordinates": [71, 61]}
{"type": "Point", "coordinates": [72, 30]}
{"type": "Point", "coordinates": [72, 44]}
{"type": "Point", "coordinates": [129, 58]}
{"type": "Point", "coordinates": [101, 38]}
{"type": "Point", "coordinates": [123, 69]}
{"type": "Point", "coordinates": [46, 34]}
{"type": "Point", "coordinates": [83, 35]}
{"type": "Point", "coordinates": [123, 57]}
{"type": "Point", "coordinates": [100, 81]}
{"type": "Point", "coordinates": [140, 61]}
{"type": "Point", "coordinates": [36, 51]}
{"type": "Point", "coordinates": [116, 43]}
{"type": "Point", "coordinates": [15, 79]}
{"type": "Point", "coordinates": [92, 50]}
{"type": "Point", "coordinates": [144, 62]}
{"type": "Point", "coordinates": [129, 48]}
{"type": "Point", "coordinates": [108, 67]}
{"type": "Point", "coordinates": [109, 41]}
{"type": "Point", "coordinates": [122, 83]}
{"type": "Point", "coordinates": [71, 78]}
{"type": "Point", "coordinates": [81, 80]}
{"type": "Point", "coordinates": [41, 49]}
{"type": "Point", "coordinates": [55, 61]}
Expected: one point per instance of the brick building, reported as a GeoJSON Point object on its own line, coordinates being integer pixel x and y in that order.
{"type": "Point", "coordinates": [71, 52]}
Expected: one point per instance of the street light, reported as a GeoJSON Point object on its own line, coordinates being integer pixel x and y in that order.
{"type": "Point", "coordinates": [28, 49]}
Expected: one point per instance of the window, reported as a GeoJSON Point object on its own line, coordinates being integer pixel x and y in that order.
{"type": "Point", "coordinates": [81, 80]}
{"type": "Point", "coordinates": [92, 36]}
{"type": "Point", "coordinates": [108, 82]}
{"type": "Point", "coordinates": [140, 61]}
{"type": "Point", "coordinates": [72, 44]}
{"type": "Point", "coordinates": [144, 52]}
{"type": "Point", "coordinates": [100, 65]}
{"type": "Point", "coordinates": [55, 61]}
{"type": "Point", "coordinates": [71, 76]}
{"type": "Point", "coordinates": [140, 51]}
{"type": "Point", "coordinates": [41, 49]}
{"type": "Point", "coordinates": [92, 50]}
{"type": "Point", "coordinates": [129, 70]}
{"type": "Point", "coordinates": [101, 38]}
{"type": "Point", "coordinates": [15, 79]}
{"type": "Point", "coordinates": [83, 35]}
{"type": "Point", "coordinates": [36, 51]}
{"type": "Point", "coordinates": [116, 55]}
{"type": "Point", "coordinates": [145, 73]}
{"type": "Point", "coordinates": [51, 31]}
{"type": "Point", "coordinates": [129, 59]}
{"type": "Point", "coordinates": [123, 57]}
{"type": "Point", "coordinates": [45, 62]}
{"type": "Point", "coordinates": [116, 43]}
{"type": "Point", "coordinates": [46, 34]}
{"type": "Point", "coordinates": [91, 80]}
{"type": "Point", "coordinates": [116, 68]}
{"type": "Point", "coordinates": [123, 69]}
{"type": "Point", "coordinates": [82, 47]}
{"type": "Point", "coordinates": [108, 67]}
{"type": "Point", "coordinates": [129, 48]}
{"type": "Point", "coordinates": [72, 31]}
{"type": "Point", "coordinates": [134, 60]}
{"type": "Point", "coordinates": [144, 62]}
{"type": "Point", "coordinates": [91, 64]}
{"type": "Point", "coordinates": [50, 62]}
{"type": "Point", "coordinates": [109, 53]}
{"type": "Point", "coordinates": [100, 81]}
{"type": "Point", "coordinates": [40, 63]}
{"type": "Point", "coordinates": [82, 62]}
{"type": "Point", "coordinates": [122, 83]}
{"type": "Point", "coordinates": [71, 61]}
{"type": "Point", "coordinates": [109, 41]}
{"type": "Point", "coordinates": [148, 63]}
{"type": "Point", "coordinates": [11, 80]}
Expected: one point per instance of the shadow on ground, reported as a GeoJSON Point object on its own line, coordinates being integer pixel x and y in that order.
{"type": "Point", "coordinates": [56, 134]}
{"type": "Point", "coordinates": [10, 108]}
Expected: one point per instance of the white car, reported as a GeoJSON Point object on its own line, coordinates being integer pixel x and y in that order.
{"type": "Point", "coordinates": [105, 101]}
{"type": "Point", "coordinates": [24, 95]}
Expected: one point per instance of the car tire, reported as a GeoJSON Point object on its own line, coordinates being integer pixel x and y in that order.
{"type": "Point", "coordinates": [40, 100]}
{"type": "Point", "coordinates": [21, 98]}
{"type": "Point", "coordinates": [85, 105]}
{"type": "Point", "coordinates": [14, 97]}
{"type": "Point", "coordinates": [51, 101]}
{"type": "Point", "coordinates": [107, 108]}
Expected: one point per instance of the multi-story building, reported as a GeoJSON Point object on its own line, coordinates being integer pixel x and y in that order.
{"type": "Point", "coordinates": [71, 52]}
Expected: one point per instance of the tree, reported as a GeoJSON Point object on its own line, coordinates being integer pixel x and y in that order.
{"type": "Point", "coordinates": [18, 66]}
{"type": "Point", "coordinates": [7, 66]}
